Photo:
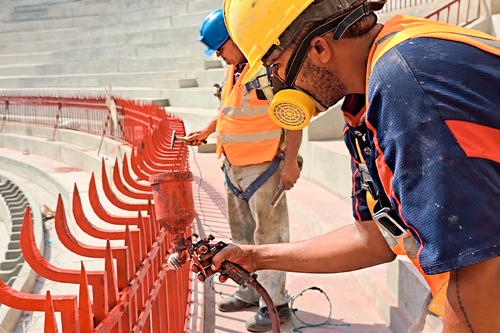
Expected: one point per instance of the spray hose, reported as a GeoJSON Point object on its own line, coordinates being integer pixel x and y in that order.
{"type": "Point", "coordinates": [203, 252]}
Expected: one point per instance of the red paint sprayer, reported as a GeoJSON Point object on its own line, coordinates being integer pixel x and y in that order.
{"type": "Point", "coordinates": [174, 206]}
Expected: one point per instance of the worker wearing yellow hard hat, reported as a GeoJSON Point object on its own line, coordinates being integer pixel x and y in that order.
{"type": "Point", "coordinates": [422, 126]}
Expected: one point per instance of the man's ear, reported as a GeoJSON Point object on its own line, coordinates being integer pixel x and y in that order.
{"type": "Point", "coordinates": [320, 49]}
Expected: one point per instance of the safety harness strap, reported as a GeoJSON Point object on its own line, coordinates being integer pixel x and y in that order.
{"type": "Point", "coordinates": [261, 82]}
{"type": "Point", "coordinates": [257, 183]}
{"type": "Point", "coordinates": [381, 210]}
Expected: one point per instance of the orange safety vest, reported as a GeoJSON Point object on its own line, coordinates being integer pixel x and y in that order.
{"type": "Point", "coordinates": [404, 28]}
{"type": "Point", "coordinates": [245, 132]}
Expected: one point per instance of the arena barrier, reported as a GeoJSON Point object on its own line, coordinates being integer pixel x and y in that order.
{"type": "Point", "coordinates": [141, 295]}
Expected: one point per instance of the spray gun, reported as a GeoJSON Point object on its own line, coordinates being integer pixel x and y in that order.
{"type": "Point", "coordinates": [203, 252]}
{"type": "Point", "coordinates": [174, 138]}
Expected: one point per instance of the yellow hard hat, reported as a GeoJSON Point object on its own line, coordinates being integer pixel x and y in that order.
{"type": "Point", "coordinates": [256, 25]}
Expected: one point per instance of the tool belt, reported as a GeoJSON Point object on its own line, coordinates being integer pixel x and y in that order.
{"type": "Point", "coordinates": [257, 183]}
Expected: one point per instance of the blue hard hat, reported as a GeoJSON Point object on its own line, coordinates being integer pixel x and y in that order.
{"type": "Point", "coordinates": [213, 31]}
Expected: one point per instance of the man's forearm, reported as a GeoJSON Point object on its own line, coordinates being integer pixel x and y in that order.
{"type": "Point", "coordinates": [349, 248]}
{"type": "Point", "coordinates": [211, 127]}
{"type": "Point", "coordinates": [293, 141]}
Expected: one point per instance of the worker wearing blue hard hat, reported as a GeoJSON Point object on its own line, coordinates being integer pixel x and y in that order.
{"type": "Point", "coordinates": [213, 32]}
{"type": "Point", "coordinates": [256, 163]}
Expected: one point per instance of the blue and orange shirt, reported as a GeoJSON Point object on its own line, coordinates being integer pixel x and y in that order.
{"type": "Point", "coordinates": [431, 139]}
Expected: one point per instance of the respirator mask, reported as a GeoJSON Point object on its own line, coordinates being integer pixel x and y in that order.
{"type": "Point", "coordinates": [292, 108]}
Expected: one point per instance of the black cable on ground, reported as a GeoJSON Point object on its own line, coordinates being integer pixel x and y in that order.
{"type": "Point", "coordinates": [306, 325]}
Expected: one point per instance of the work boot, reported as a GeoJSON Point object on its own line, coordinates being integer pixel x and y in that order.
{"type": "Point", "coordinates": [261, 322]}
{"type": "Point", "coordinates": [232, 304]}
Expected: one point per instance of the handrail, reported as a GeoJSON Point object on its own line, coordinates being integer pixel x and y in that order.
{"type": "Point", "coordinates": [460, 20]}
{"type": "Point", "coordinates": [393, 5]}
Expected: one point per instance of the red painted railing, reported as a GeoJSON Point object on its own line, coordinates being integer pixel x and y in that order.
{"type": "Point", "coordinates": [142, 295]}
{"type": "Point", "coordinates": [392, 5]}
{"type": "Point", "coordinates": [457, 12]}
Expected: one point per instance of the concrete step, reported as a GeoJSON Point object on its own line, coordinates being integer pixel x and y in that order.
{"type": "Point", "coordinates": [186, 48]}
{"type": "Point", "coordinates": [83, 80]}
{"type": "Point", "coordinates": [209, 77]}
{"type": "Point", "coordinates": [124, 92]}
{"type": "Point", "coordinates": [176, 41]}
{"type": "Point", "coordinates": [208, 5]}
{"type": "Point", "coordinates": [106, 16]}
{"type": "Point", "coordinates": [320, 158]}
{"type": "Point", "coordinates": [193, 97]}
{"type": "Point", "coordinates": [47, 12]}
{"type": "Point", "coordinates": [40, 34]}
{"type": "Point", "coordinates": [64, 23]}
{"type": "Point", "coordinates": [174, 83]}
{"type": "Point", "coordinates": [178, 75]}
{"type": "Point", "coordinates": [190, 18]}
{"type": "Point", "coordinates": [103, 66]}
{"type": "Point", "coordinates": [79, 42]}
{"type": "Point", "coordinates": [194, 119]}
{"type": "Point", "coordinates": [198, 65]}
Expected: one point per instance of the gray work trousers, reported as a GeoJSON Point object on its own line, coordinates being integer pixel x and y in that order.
{"type": "Point", "coordinates": [255, 222]}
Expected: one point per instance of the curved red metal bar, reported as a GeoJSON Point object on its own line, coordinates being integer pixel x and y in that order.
{"type": "Point", "coordinates": [160, 161]}
{"type": "Point", "coordinates": [72, 244]}
{"type": "Point", "coordinates": [151, 163]}
{"type": "Point", "coordinates": [66, 304]}
{"type": "Point", "coordinates": [130, 180]}
{"type": "Point", "coordinates": [160, 150]}
{"type": "Point", "coordinates": [101, 212]}
{"type": "Point", "coordinates": [157, 160]}
{"type": "Point", "coordinates": [42, 267]}
{"type": "Point", "coordinates": [100, 233]}
{"type": "Point", "coordinates": [137, 161]}
{"type": "Point", "coordinates": [86, 226]}
{"type": "Point", "coordinates": [138, 158]}
{"type": "Point", "coordinates": [120, 186]}
{"type": "Point", "coordinates": [110, 195]}
{"type": "Point", "coordinates": [135, 167]}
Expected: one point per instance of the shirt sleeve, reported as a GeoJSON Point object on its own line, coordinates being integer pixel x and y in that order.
{"type": "Point", "coordinates": [433, 110]}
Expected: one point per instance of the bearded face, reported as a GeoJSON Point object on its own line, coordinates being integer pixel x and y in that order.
{"type": "Point", "coordinates": [321, 83]}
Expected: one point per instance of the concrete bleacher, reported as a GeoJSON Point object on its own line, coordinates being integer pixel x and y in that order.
{"type": "Point", "coordinates": [16, 203]}
{"type": "Point", "coordinates": [144, 49]}
{"type": "Point", "coordinates": [14, 199]}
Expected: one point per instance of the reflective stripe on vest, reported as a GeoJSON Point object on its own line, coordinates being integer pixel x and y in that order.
{"type": "Point", "coordinates": [245, 132]}
{"type": "Point", "coordinates": [395, 31]}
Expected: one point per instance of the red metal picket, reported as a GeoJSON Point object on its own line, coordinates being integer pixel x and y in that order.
{"type": "Point", "coordinates": [50, 319]}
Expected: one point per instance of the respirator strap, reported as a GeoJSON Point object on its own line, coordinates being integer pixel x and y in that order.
{"type": "Point", "coordinates": [320, 28]}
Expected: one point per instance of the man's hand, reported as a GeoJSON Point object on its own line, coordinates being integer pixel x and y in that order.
{"type": "Point", "coordinates": [196, 138]}
{"type": "Point", "coordinates": [238, 254]}
{"type": "Point", "coordinates": [290, 173]}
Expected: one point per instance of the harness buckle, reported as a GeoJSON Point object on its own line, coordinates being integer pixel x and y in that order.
{"type": "Point", "coordinates": [387, 219]}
